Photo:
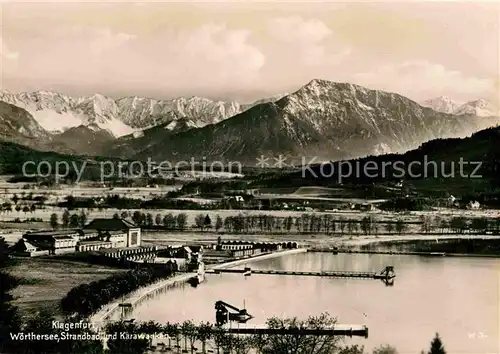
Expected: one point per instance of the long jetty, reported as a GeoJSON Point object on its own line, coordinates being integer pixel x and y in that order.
{"type": "Point", "coordinates": [337, 330]}
{"type": "Point", "coordinates": [386, 274]}
{"type": "Point", "coordinates": [403, 253]}
{"type": "Point", "coordinates": [406, 253]}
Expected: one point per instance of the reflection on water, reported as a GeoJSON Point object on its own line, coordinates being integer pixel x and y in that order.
{"type": "Point", "coordinates": [455, 297]}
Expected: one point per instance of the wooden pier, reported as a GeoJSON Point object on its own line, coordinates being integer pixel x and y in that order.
{"type": "Point", "coordinates": [337, 330]}
{"type": "Point", "coordinates": [386, 274]}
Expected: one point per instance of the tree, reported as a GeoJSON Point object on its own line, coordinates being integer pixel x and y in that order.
{"type": "Point", "coordinates": [149, 219]}
{"type": "Point", "coordinates": [426, 224]}
{"type": "Point", "coordinates": [400, 226]}
{"type": "Point", "coordinates": [207, 222]}
{"type": "Point", "coordinates": [74, 220]}
{"type": "Point", "coordinates": [302, 343]}
{"type": "Point", "coordinates": [32, 208]}
{"type": "Point", "coordinates": [124, 214]}
{"type": "Point", "coordinates": [116, 216]}
{"type": "Point", "coordinates": [15, 198]}
{"type": "Point", "coordinates": [458, 224]}
{"type": "Point", "coordinates": [137, 217]}
{"type": "Point", "coordinates": [437, 346]}
{"type": "Point", "coordinates": [181, 221]}
{"type": "Point", "coordinates": [26, 209]}
{"type": "Point", "coordinates": [158, 219]}
{"type": "Point", "coordinates": [65, 218]}
{"type": "Point", "coordinates": [200, 221]}
{"type": "Point", "coordinates": [385, 349]}
{"type": "Point", "coordinates": [366, 225]}
{"type": "Point", "coordinates": [169, 221]}
{"type": "Point", "coordinates": [54, 223]}
{"type": "Point", "coordinates": [82, 219]}
{"type": "Point", "coordinates": [354, 349]}
{"type": "Point", "coordinates": [204, 333]}
{"type": "Point", "coordinates": [125, 345]}
{"type": "Point", "coordinates": [188, 331]}
{"type": "Point", "coordinates": [218, 223]}
{"type": "Point", "coordinates": [342, 224]}
{"type": "Point", "coordinates": [479, 225]}
{"type": "Point", "coordinates": [18, 208]}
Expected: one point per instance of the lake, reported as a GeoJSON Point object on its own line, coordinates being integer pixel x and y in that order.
{"type": "Point", "coordinates": [457, 297]}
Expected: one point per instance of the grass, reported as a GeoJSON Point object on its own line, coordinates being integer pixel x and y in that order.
{"type": "Point", "coordinates": [46, 281]}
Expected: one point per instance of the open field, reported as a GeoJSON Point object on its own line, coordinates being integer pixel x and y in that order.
{"type": "Point", "coordinates": [55, 195]}
{"type": "Point", "coordinates": [318, 197]}
{"type": "Point", "coordinates": [46, 281]}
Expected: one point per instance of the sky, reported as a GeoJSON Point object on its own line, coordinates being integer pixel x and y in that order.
{"type": "Point", "coordinates": [245, 50]}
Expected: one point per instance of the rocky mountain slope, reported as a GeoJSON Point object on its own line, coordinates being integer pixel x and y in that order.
{"type": "Point", "coordinates": [82, 125]}
{"type": "Point", "coordinates": [57, 112]}
{"type": "Point", "coordinates": [16, 124]}
{"type": "Point", "coordinates": [140, 112]}
{"type": "Point", "coordinates": [19, 126]}
{"type": "Point", "coordinates": [480, 174]}
{"type": "Point", "coordinates": [323, 119]}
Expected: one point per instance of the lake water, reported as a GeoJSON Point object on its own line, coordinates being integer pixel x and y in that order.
{"type": "Point", "coordinates": [457, 297]}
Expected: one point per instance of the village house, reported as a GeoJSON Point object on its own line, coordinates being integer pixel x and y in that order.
{"type": "Point", "coordinates": [473, 205]}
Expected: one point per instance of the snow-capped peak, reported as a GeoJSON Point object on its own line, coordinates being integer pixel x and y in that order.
{"type": "Point", "coordinates": [480, 108]}
{"type": "Point", "coordinates": [442, 104]}
{"type": "Point", "coordinates": [57, 112]}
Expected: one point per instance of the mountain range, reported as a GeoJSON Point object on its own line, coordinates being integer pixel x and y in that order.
{"type": "Point", "coordinates": [323, 119]}
{"type": "Point", "coordinates": [480, 107]}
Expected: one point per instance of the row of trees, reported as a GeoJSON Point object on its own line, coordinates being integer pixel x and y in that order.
{"type": "Point", "coordinates": [266, 223]}
{"type": "Point", "coordinates": [306, 223]}
{"type": "Point", "coordinates": [68, 220]}
{"type": "Point", "coordinates": [7, 207]}
{"type": "Point", "coordinates": [86, 299]}
{"type": "Point", "coordinates": [185, 336]}
{"type": "Point", "coordinates": [459, 224]}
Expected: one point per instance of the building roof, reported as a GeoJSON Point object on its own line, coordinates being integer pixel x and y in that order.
{"type": "Point", "coordinates": [110, 224]}
{"type": "Point", "coordinates": [24, 246]}
{"type": "Point", "coordinates": [55, 233]}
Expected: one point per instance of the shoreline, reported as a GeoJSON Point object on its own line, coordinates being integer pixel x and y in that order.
{"type": "Point", "coordinates": [102, 316]}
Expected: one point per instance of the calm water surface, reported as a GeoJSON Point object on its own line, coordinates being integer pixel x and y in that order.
{"type": "Point", "coordinates": [459, 298]}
